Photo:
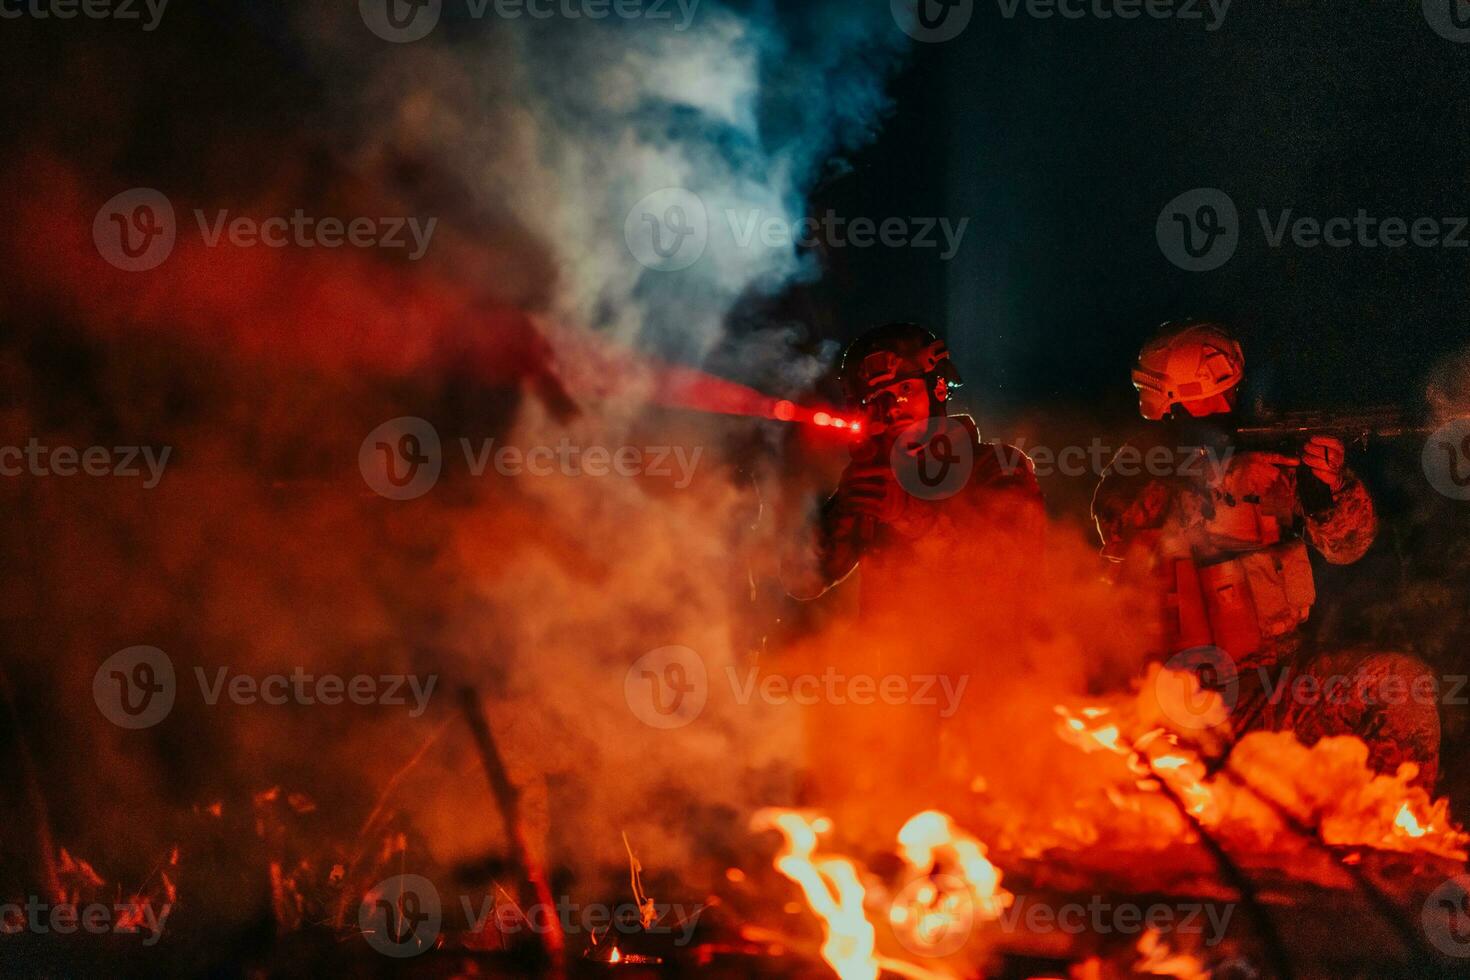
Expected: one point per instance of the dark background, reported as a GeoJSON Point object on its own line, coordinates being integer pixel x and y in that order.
{"type": "Point", "coordinates": [1063, 140]}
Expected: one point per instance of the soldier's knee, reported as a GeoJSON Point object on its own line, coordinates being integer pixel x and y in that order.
{"type": "Point", "coordinates": [1402, 695]}
{"type": "Point", "coordinates": [1399, 681]}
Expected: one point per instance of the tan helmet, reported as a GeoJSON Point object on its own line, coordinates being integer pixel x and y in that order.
{"type": "Point", "coordinates": [1187, 362]}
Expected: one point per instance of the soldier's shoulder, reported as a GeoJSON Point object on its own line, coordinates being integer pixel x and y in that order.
{"type": "Point", "coordinates": [998, 463]}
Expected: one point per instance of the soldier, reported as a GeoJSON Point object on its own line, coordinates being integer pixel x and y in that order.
{"type": "Point", "coordinates": [922, 491]}
{"type": "Point", "coordinates": [945, 532]}
{"type": "Point", "coordinates": [1222, 543]}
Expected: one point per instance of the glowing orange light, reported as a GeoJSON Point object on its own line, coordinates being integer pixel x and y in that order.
{"type": "Point", "coordinates": [821, 418]}
{"type": "Point", "coordinates": [783, 411]}
{"type": "Point", "coordinates": [1406, 821]}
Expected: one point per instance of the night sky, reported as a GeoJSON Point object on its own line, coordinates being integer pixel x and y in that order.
{"type": "Point", "coordinates": [1063, 140]}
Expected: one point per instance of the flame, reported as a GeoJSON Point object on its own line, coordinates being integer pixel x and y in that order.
{"type": "Point", "coordinates": [959, 884]}
{"type": "Point", "coordinates": [928, 833]}
{"type": "Point", "coordinates": [1406, 822]}
{"type": "Point", "coordinates": [1158, 960]}
{"type": "Point", "coordinates": [832, 889]}
{"type": "Point", "coordinates": [1327, 786]}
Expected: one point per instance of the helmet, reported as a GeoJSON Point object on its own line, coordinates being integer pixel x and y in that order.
{"type": "Point", "coordinates": [1187, 362]}
{"type": "Point", "coordinates": [896, 352]}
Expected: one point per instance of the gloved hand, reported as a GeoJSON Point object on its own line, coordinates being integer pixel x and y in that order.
{"type": "Point", "coordinates": [869, 488]}
{"type": "Point", "coordinates": [1326, 456]}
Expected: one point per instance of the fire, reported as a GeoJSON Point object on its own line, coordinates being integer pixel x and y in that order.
{"type": "Point", "coordinates": [832, 890]}
{"type": "Point", "coordinates": [1327, 787]}
{"type": "Point", "coordinates": [1158, 960]}
{"type": "Point", "coordinates": [932, 914]}
{"type": "Point", "coordinates": [1405, 821]}
{"type": "Point", "coordinates": [928, 834]}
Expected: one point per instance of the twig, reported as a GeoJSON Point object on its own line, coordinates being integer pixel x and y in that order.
{"type": "Point", "coordinates": [372, 819]}
{"type": "Point", "coordinates": [1275, 948]}
{"type": "Point", "coordinates": [508, 798]}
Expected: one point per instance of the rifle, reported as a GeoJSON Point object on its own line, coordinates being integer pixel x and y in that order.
{"type": "Point", "coordinates": [1355, 427]}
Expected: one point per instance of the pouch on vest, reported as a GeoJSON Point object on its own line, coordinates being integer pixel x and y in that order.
{"type": "Point", "coordinates": [1280, 583]}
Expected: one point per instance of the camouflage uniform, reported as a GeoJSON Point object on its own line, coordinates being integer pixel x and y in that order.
{"type": "Point", "coordinates": [996, 515]}
{"type": "Point", "coordinates": [1222, 543]}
